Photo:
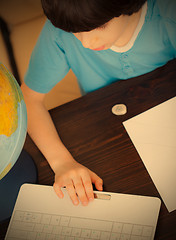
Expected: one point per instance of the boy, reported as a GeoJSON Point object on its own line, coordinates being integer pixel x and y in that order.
{"type": "Point", "coordinates": [101, 41]}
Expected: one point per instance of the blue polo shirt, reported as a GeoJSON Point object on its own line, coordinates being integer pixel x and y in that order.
{"type": "Point", "coordinates": [57, 51]}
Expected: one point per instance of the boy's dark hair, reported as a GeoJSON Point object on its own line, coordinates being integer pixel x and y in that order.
{"type": "Point", "coordinates": [86, 15]}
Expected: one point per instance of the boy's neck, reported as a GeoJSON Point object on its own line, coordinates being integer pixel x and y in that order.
{"type": "Point", "coordinates": [132, 23]}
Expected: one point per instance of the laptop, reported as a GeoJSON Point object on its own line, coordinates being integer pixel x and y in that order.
{"type": "Point", "coordinates": [40, 215]}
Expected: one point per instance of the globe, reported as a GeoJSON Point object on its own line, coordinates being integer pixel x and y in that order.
{"type": "Point", "coordinates": [13, 121]}
{"type": "Point", "coordinates": [16, 165]}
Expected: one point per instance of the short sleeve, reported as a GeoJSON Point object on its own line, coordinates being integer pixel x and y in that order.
{"type": "Point", "coordinates": [48, 64]}
{"type": "Point", "coordinates": [168, 13]}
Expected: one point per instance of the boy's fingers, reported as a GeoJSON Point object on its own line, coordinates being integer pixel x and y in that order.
{"type": "Point", "coordinates": [58, 190]}
{"type": "Point", "coordinates": [80, 190]}
{"type": "Point", "coordinates": [99, 184]}
{"type": "Point", "coordinates": [88, 187]}
{"type": "Point", "coordinates": [71, 191]}
{"type": "Point", "coordinates": [97, 181]}
{"type": "Point", "coordinates": [79, 186]}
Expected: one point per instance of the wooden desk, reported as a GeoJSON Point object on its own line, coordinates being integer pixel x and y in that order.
{"type": "Point", "coordinates": [97, 139]}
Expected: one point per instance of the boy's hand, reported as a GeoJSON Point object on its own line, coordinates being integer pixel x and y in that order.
{"type": "Point", "coordinates": [78, 181]}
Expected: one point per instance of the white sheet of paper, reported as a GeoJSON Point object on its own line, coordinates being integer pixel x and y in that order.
{"type": "Point", "coordinates": [153, 134]}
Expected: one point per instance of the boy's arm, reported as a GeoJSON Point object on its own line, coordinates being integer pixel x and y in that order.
{"type": "Point", "coordinates": [69, 173]}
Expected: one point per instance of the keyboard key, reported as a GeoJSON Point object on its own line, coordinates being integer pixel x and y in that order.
{"type": "Point", "coordinates": [66, 231]}
{"type": "Point", "coordinates": [125, 237]}
{"type": "Point", "coordinates": [47, 228]}
{"type": "Point", "coordinates": [31, 235]}
{"type": "Point", "coordinates": [80, 238]}
{"type": "Point", "coordinates": [137, 230]}
{"type": "Point", "coordinates": [32, 217]}
{"type": "Point", "coordinates": [26, 226]}
{"type": "Point", "coordinates": [76, 232]}
{"type": "Point", "coordinates": [16, 225]}
{"type": "Point", "coordinates": [9, 238]}
{"type": "Point", "coordinates": [36, 218]}
{"type": "Point", "coordinates": [40, 236]}
{"type": "Point", "coordinates": [59, 237]}
{"type": "Point", "coordinates": [27, 217]}
{"type": "Point", "coordinates": [95, 234]}
{"type": "Point", "coordinates": [17, 234]}
{"type": "Point", "coordinates": [46, 219]}
{"type": "Point", "coordinates": [55, 220]}
{"type": "Point", "coordinates": [50, 237]}
{"type": "Point", "coordinates": [117, 227]}
{"type": "Point", "coordinates": [64, 221]}
{"type": "Point", "coordinates": [38, 227]}
{"type": "Point", "coordinates": [18, 216]}
{"type": "Point", "coordinates": [115, 236]}
{"type": "Point", "coordinates": [90, 224]}
{"type": "Point", "coordinates": [135, 238]}
{"type": "Point", "coordinates": [145, 238]}
{"type": "Point", "coordinates": [127, 228]}
{"type": "Point", "coordinates": [57, 230]}
{"type": "Point", "coordinates": [147, 231]}
{"type": "Point", "coordinates": [105, 235]}
{"type": "Point", "coordinates": [85, 233]}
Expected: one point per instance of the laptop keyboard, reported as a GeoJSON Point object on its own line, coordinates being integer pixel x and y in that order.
{"type": "Point", "coordinates": [38, 226]}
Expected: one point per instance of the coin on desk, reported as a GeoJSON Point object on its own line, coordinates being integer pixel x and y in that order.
{"type": "Point", "coordinates": [119, 109]}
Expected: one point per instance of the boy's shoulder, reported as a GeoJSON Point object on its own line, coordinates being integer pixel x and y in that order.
{"type": "Point", "coordinates": [53, 34]}
{"type": "Point", "coordinates": [167, 9]}
{"type": "Point", "coordinates": [52, 29]}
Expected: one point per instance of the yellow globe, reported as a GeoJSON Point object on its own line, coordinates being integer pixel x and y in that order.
{"type": "Point", "coordinates": [13, 121]}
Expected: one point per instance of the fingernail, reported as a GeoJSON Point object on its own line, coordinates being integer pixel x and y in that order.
{"type": "Point", "coordinates": [91, 199]}
{"type": "Point", "coordinates": [85, 203]}
{"type": "Point", "coordinates": [60, 196]}
{"type": "Point", "coordinates": [76, 202]}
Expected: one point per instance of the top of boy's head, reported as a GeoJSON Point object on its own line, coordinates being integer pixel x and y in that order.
{"type": "Point", "coordinates": [86, 15]}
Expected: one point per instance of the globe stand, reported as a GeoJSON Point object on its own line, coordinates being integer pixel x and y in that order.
{"type": "Point", "coordinates": [24, 171]}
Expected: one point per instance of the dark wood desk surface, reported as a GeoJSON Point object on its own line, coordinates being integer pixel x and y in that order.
{"type": "Point", "coordinates": [97, 139]}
